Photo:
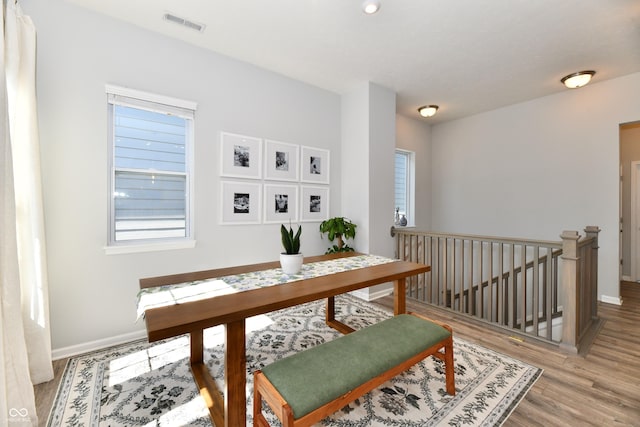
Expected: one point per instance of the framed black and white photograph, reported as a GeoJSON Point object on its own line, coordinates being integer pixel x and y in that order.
{"type": "Point", "coordinates": [314, 203]}
{"type": "Point", "coordinates": [281, 161]}
{"type": "Point", "coordinates": [241, 203]}
{"type": "Point", "coordinates": [314, 165]}
{"type": "Point", "coordinates": [280, 203]}
{"type": "Point", "coordinates": [241, 156]}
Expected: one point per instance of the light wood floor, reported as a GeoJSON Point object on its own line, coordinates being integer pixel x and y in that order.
{"type": "Point", "coordinates": [601, 389]}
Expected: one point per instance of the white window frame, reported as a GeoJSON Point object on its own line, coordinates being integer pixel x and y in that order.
{"type": "Point", "coordinates": [117, 95]}
{"type": "Point", "coordinates": [410, 180]}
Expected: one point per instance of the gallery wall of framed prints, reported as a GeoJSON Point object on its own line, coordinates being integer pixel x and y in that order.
{"type": "Point", "coordinates": [266, 181]}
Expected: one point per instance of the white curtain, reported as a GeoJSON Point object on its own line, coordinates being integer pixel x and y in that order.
{"type": "Point", "coordinates": [25, 354]}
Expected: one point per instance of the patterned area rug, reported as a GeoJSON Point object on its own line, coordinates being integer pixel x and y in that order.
{"type": "Point", "coordinates": [139, 384]}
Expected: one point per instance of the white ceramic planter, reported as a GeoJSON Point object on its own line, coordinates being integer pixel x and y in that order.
{"type": "Point", "coordinates": [291, 264]}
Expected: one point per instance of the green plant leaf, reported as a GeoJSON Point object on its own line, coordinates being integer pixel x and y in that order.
{"type": "Point", "coordinates": [290, 242]}
{"type": "Point", "coordinates": [296, 240]}
{"type": "Point", "coordinates": [338, 228]}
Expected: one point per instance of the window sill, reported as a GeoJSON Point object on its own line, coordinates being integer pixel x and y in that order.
{"type": "Point", "coordinates": [149, 247]}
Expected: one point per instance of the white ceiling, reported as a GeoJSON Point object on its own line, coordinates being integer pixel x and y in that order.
{"type": "Point", "coordinates": [467, 56]}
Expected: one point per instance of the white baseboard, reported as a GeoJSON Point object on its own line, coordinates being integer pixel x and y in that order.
{"type": "Point", "coordinates": [74, 350]}
{"type": "Point", "coordinates": [368, 296]}
{"type": "Point", "coordinates": [611, 300]}
{"type": "Point", "coordinates": [627, 278]}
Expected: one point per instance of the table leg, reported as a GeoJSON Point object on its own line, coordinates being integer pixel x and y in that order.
{"type": "Point", "coordinates": [330, 311]}
{"type": "Point", "coordinates": [330, 318]}
{"type": "Point", "coordinates": [400, 297]}
{"type": "Point", "coordinates": [206, 384]}
{"type": "Point", "coordinates": [235, 375]}
{"type": "Point", "coordinates": [196, 346]}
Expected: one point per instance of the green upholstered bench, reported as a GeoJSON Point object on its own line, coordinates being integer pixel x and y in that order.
{"type": "Point", "coordinates": [306, 387]}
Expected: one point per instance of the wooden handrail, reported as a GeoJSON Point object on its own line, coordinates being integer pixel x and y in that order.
{"type": "Point", "coordinates": [506, 240]}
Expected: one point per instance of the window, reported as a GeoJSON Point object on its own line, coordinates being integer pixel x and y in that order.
{"type": "Point", "coordinates": [404, 184]}
{"type": "Point", "coordinates": [151, 140]}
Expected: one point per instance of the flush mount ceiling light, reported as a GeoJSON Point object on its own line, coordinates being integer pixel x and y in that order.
{"type": "Point", "coordinates": [428, 110]}
{"type": "Point", "coordinates": [576, 80]}
{"type": "Point", "coordinates": [370, 6]}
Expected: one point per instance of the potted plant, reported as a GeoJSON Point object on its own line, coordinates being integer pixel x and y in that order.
{"type": "Point", "coordinates": [339, 228]}
{"type": "Point", "coordinates": [291, 258]}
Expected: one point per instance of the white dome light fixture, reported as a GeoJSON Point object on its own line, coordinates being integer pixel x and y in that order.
{"type": "Point", "coordinates": [370, 6]}
{"type": "Point", "coordinates": [576, 80]}
{"type": "Point", "coordinates": [428, 110]}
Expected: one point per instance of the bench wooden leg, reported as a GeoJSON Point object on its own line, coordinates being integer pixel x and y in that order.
{"type": "Point", "coordinates": [449, 367]}
{"type": "Point", "coordinates": [263, 389]}
{"type": "Point", "coordinates": [446, 357]}
{"type": "Point", "coordinates": [258, 419]}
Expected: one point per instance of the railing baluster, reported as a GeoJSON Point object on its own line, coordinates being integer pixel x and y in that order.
{"type": "Point", "coordinates": [535, 304]}
{"type": "Point", "coordinates": [442, 244]}
{"type": "Point", "coordinates": [490, 283]}
{"type": "Point", "coordinates": [438, 277]}
{"type": "Point", "coordinates": [430, 276]}
{"type": "Point", "coordinates": [455, 269]}
{"type": "Point", "coordinates": [523, 294]}
{"type": "Point", "coordinates": [472, 290]}
{"type": "Point", "coordinates": [512, 288]}
{"type": "Point", "coordinates": [500, 285]}
{"type": "Point", "coordinates": [424, 276]}
{"type": "Point", "coordinates": [452, 291]}
{"type": "Point", "coordinates": [413, 249]}
{"type": "Point", "coordinates": [592, 232]}
{"type": "Point", "coordinates": [418, 278]}
{"type": "Point", "coordinates": [548, 283]}
{"type": "Point", "coordinates": [464, 292]}
{"type": "Point", "coordinates": [481, 280]}
{"type": "Point", "coordinates": [452, 275]}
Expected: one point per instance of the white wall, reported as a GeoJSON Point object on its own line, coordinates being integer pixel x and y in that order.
{"type": "Point", "coordinates": [537, 168]}
{"type": "Point", "coordinates": [92, 294]}
{"type": "Point", "coordinates": [415, 135]}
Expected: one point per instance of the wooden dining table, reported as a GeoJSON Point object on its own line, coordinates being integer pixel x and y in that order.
{"type": "Point", "coordinates": [232, 309]}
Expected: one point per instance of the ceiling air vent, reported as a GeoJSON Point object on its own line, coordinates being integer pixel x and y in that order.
{"type": "Point", "coordinates": [184, 22]}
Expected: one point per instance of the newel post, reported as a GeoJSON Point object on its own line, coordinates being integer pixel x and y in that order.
{"type": "Point", "coordinates": [569, 288]}
{"type": "Point", "coordinates": [593, 231]}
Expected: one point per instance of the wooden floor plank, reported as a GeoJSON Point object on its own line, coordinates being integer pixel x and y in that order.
{"type": "Point", "coordinates": [599, 389]}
